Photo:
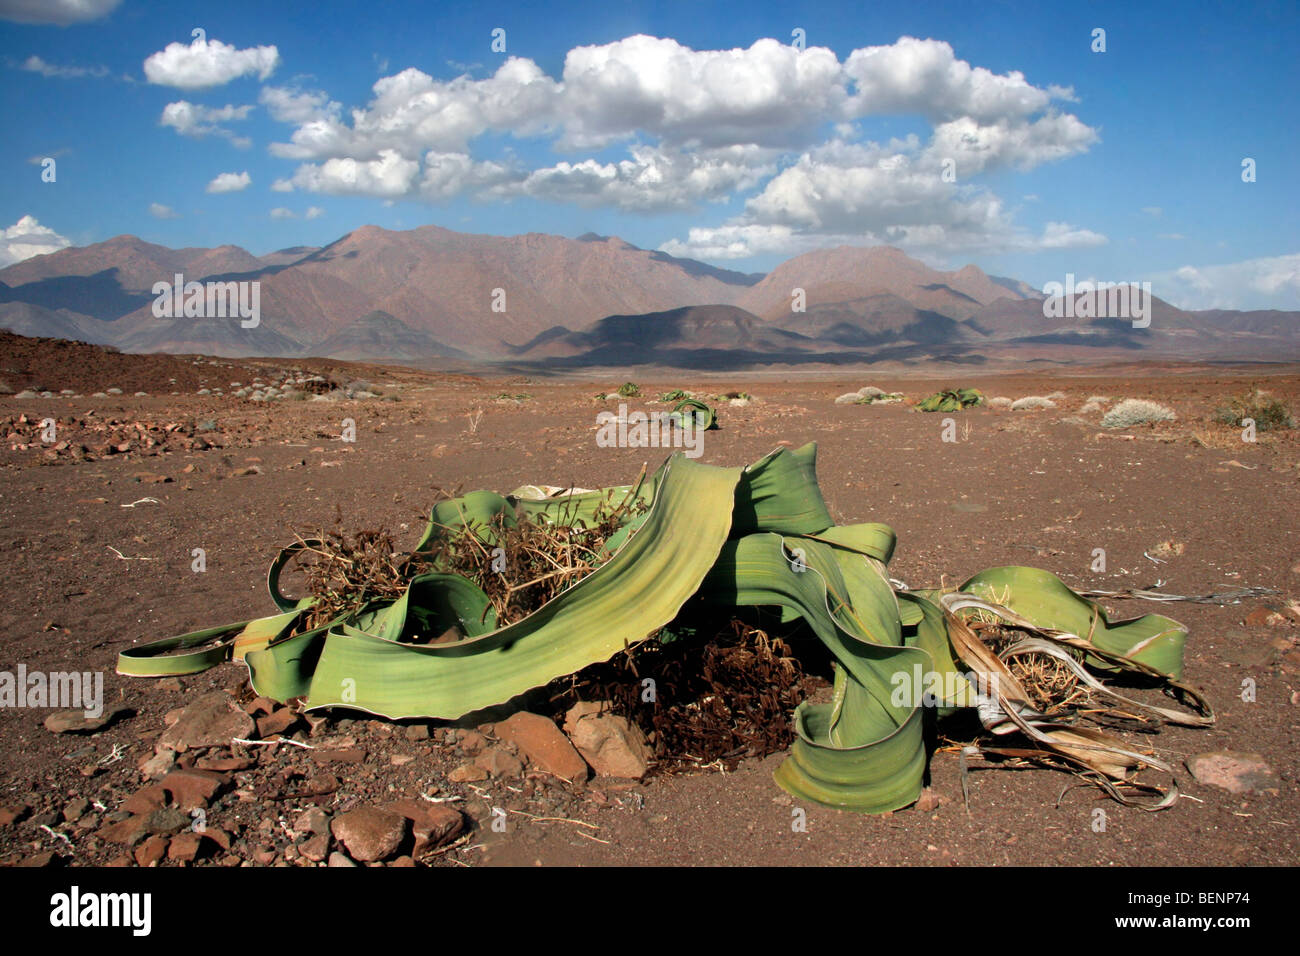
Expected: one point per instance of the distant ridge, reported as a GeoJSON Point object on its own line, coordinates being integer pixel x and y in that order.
{"type": "Point", "coordinates": [431, 292]}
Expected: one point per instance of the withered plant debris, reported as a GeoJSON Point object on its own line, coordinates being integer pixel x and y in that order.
{"type": "Point", "coordinates": [542, 558]}
{"type": "Point", "coordinates": [346, 571]}
{"type": "Point", "coordinates": [1051, 686]}
{"type": "Point", "coordinates": [715, 701]}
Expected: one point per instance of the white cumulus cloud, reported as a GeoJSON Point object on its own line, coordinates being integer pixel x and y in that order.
{"type": "Point", "coordinates": [770, 123]}
{"type": "Point", "coordinates": [192, 119]}
{"type": "Point", "coordinates": [229, 183]}
{"type": "Point", "coordinates": [34, 64]}
{"type": "Point", "coordinates": [206, 63]}
{"type": "Point", "coordinates": [159, 211]}
{"type": "Point", "coordinates": [27, 238]}
{"type": "Point", "coordinates": [1267, 283]}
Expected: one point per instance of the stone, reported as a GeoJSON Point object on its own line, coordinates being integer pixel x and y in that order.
{"type": "Point", "coordinates": [75, 809]}
{"type": "Point", "coordinates": [185, 847]}
{"type": "Point", "coordinates": [338, 859]}
{"type": "Point", "coordinates": [263, 856]}
{"type": "Point", "coordinates": [928, 801]}
{"type": "Point", "coordinates": [167, 820]}
{"type": "Point", "coordinates": [128, 832]}
{"type": "Point", "coordinates": [213, 720]}
{"type": "Point", "coordinates": [315, 848]}
{"type": "Point", "coordinates": [320, 785]}
{"type": "Point", "coordinates": [433, 824]}
{"type": "Point", "coordinates": [192, 789]}
{"type": "Point", "coordinates": [145, 800]}
{"type": "Point", "coordinates": [1233, 771]}
{"type": "Point", "coordinates": [368, 833]}
{"type": "Point", "coordinates": [313, 820]}
{"type": "Point", "coordinates": [613, 746]}
{"type": "Point", "coordinates": [76, 721]}
{"type": "Point", "coordinates": [348, 755]}
{"type": "Point", "coordinates": [276, 722]}
{"type": "Point", "coordinates": [223, 764]}
{"type": "Point", "coordinates": [151, 851]}
{"type": "Point", "coordinates": [471, 741]}
{"type": "Point", "coordinates": [159, 765]}
{"type": "Point", "coordinates": [417, 732]}
{"type": "Point", "coordinates": [1264, 617]}
{"type": "Point", "coordinates": [500, 763]}
{"type": "Point", "coordinates": [14, 813]}
{"type": "Point", "coordinates": [259, 705]}
{"type": "Point", "coordinates": [544, 744]}
{"type": "Point", "coordinates": [467, 773]}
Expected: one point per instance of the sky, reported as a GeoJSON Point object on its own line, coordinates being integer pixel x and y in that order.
{"type": "Point", "coordinates": [1120, 142]}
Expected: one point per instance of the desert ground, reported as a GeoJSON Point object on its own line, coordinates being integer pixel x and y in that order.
{"type": "Point", "coordinates": [97, 538]}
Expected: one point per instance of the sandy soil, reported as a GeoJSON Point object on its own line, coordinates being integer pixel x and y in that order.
{"type": "Point", "coordinates": [89, 574]}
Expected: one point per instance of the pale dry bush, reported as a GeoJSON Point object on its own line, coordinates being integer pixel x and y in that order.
{"type": "Point", "coordinates": [1031, 403]}
{"type": "Point", "coordinates": [1136, 411]}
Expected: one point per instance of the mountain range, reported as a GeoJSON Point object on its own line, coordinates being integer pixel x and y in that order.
{"type": "Point", "coordinates": [434, 295]}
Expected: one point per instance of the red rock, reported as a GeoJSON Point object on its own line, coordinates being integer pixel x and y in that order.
{"type": "Point", "coordinates": [433, 824]}
{"type": "Point", "coordinates": [928, 801]}
{"type": "Point", "coordinates": [213, 720]}
{"type": "Point", "coordinates": [76, 721]}
{"type": "Point", "coordinates": [368, 833]}
{"type": "Point", "coordinates": [613, 746]}
{"type": "Point", "coordinates": [158, 765]}
{"type": "Point", "coordinates": [14, 814]}
{"type": "Point", "coordinates": [467, 773]}
{"type": "Point", "coordinates": [349, 755]}
{"type": "Point", "coordinates": [544, 744]}
{"type": "Point", "coordinates": [499, 763]}
{"type": "Point", "coordinates": [151, 851]}
{"type": "Point", "coordinates": [320, 785]}
{"type": "Point", "coordinates": [260, 705]}
{"type": "Point", "coordinates": [1264, 617]}
{"type": "Point", "coordinates": [223, 764]}
{"type": "Point", "coordinates": [276, 723]}
{"type": "Point", "coordinates": [145, 800]}
{"type": "Point", "coordinates": [128, 832]}
{"type": "Point", "coordinates": [313, 820]}
{"type": "Point", "coordinates": [185, 847]}
{"type": "Point", "coordinates": [191, 789]}
{"type": "Point", "coordinates": [1233, 771]}
{"type": "Point", "coordinates": [315, 848]}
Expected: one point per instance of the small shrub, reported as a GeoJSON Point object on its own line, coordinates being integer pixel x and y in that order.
{"type": "Point", "coordinates": [1000, 402]}
{"type": "Point", "coordinates": [1268, 413]}
{"type": "Point", "coordinates": [1031, 403]}
{"type": "Point", "coordinates": [629, 390]}
{"type": "Point", "coordinates": [1136, 411]}
{"type": "Point", "coordinates": [1091, 407]}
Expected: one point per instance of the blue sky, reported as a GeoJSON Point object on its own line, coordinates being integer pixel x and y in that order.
{"type": "Point", "coordinates": [989, 133]}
